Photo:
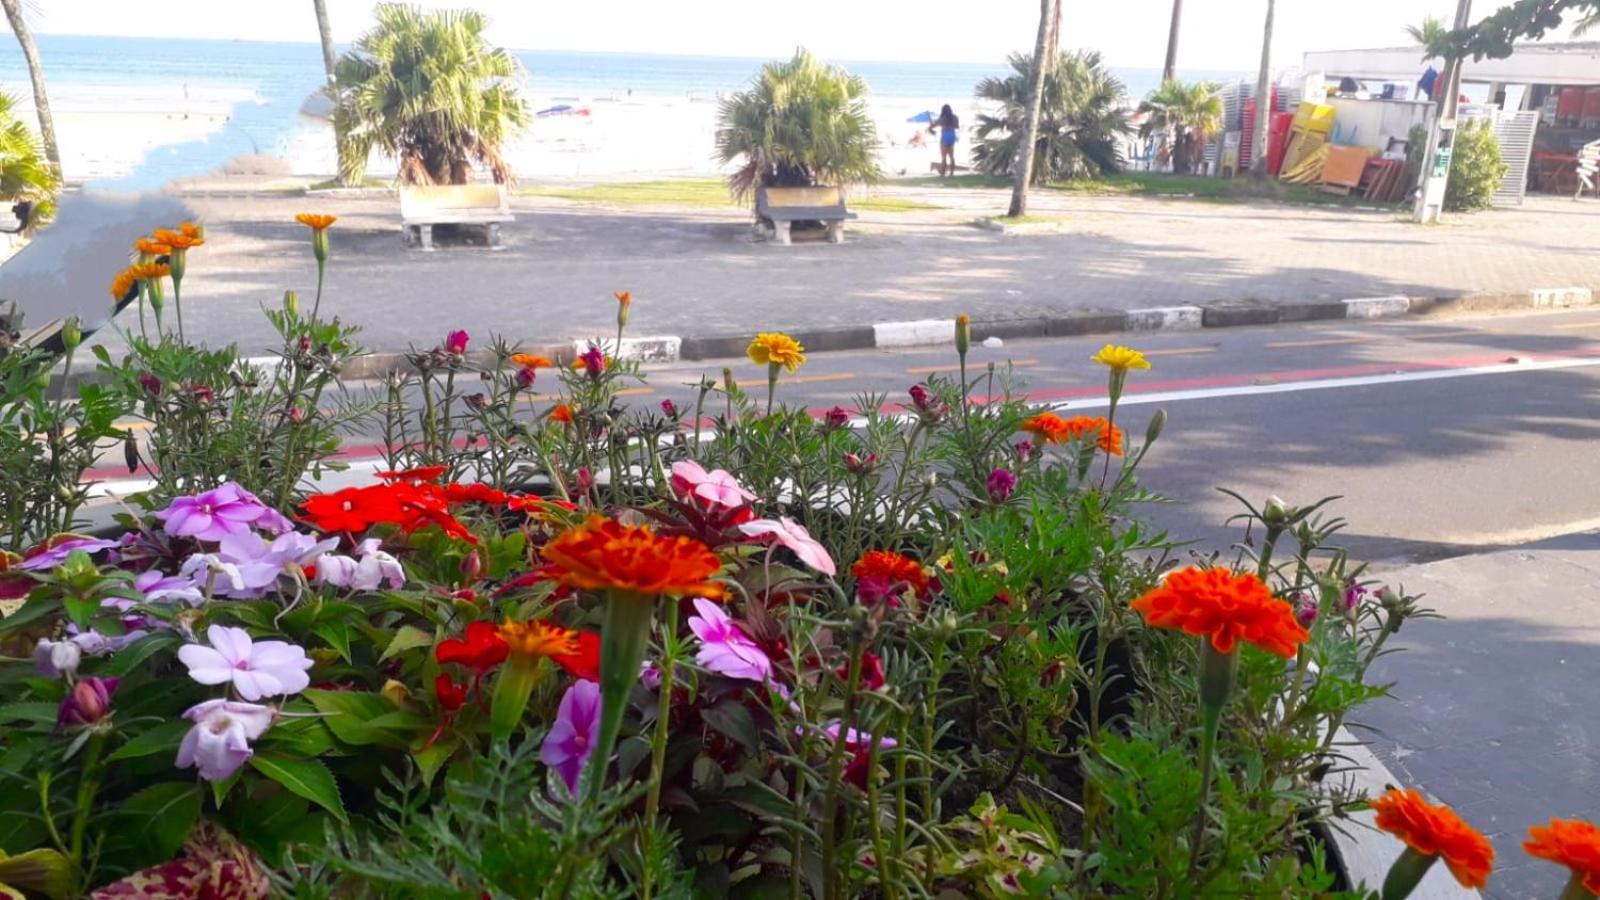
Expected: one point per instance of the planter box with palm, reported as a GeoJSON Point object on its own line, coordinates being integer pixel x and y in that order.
{"type": "Point", "coordinates": [1187, 114]}
{"type": "Point", "coordinates": [801, 123]}
{"type": "Point", "coordinates": [1080, 120]}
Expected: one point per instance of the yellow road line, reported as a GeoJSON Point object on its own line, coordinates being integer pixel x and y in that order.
{"type": "Point", "coordinates": [1180, 351]}
{"type": "Point", "coordinates": [1319, 342]}
{"type": "Point", "coordinates": [1446, 334]}
{"type": "Point", "coordinates": [1570, 325]}
{"type": "Point", "coordinates": [636, 392]}
{"type": "Point", "coordinates": [936, 370]}
{"type": "Point", "coordinates": [814, 379]}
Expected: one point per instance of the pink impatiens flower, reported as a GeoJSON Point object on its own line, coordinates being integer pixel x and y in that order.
{"type": "Point", "coordinates": [456, 342]}
{"type": "Point", "coordinates": [227, 509]}
{"type": "Point", "coordinates": [369, 569]}
{"type": "Point", "coordinates": [571, 739]}
{"type": "Point", "coordinates": [256, 670]}
{"type": "Point", "coordinates": [725, 649]}
{"type": "Point", "coordinates": [793, 535]}
{"type": "Point", "coordinates": [219, 742]}
{"type": "Point", "coordinates": [717, 486]}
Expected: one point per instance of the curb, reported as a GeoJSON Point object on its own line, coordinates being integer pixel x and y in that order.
{"type": "Point", "coordinates": [931, 332]}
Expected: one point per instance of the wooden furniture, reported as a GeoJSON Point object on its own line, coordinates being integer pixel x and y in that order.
{"type": "Point", "coordinates": [424, 206]}
{"type": "Point", "coordinates": [784, 206]}
{"type": "Point", "coordinates": [1588, 164]}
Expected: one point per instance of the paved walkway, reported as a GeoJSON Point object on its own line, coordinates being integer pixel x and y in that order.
{"type": "Point", "coordinates": [1495, 710]}
{"type": "Point", "coordinates": [699, 272]}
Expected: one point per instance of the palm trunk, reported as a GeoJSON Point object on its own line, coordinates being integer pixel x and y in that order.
{"type": "Point", "coordinates": [326, 33]}
{"type": "Point", "coordinates": [1258, 165]}
{"type": "Point", "coordinates": [41, 103]}
{"type": "Point", "coordinates": [1170, 70]}
{"type": "Point", "coordinates": [1030, 122]}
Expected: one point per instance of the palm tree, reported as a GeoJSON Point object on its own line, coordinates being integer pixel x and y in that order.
{"type": "Point", "coordinates": [41, 102]}
{"type": "Point", "coordinates": [1191, 112]}
{"type": "Point", "coordinates": [330, 58]}
{"type": "Point", "coordinates": [1587, 23]}
{"type": "Point", "coordinates": [801, 122]}
{"type": "Point", "coordinates": [1169, 71]}
{"type": "Point", "coordinates": [1080, 120]}
{"type": "Point", "coordinates": [25, 175]}
{"type": "Point", "coordinates": [1022, 172]}
{"type": "Point", "coordinates": [428, 90]}
{"type": "Point", "coordinates": [1430, 35]}
{"type": "Point", "coordinates": [1258, 165]}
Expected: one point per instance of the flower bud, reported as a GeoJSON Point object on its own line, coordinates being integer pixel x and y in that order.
{"type": "Point", "coordinates": [1275, 512]}
{"type": "Point", "coordinates": [291, 304]}
{"type": "Point", "coordinates": [455, 343]}
{"type": "Point", "coordinates": [477, 402]}
{"type": "Point", "coordinates": [297, 415]}
{"type": "Point", "coordinates": [1000, 485]}
{"type": "Point", "coordinates": [584, 481]}
{"type": "Point", "coordinates": [150, 383]}
{"type": "Point", "coordinates": [624, 302]}
{"type": "Point", "coordinates": [130, 452]}
{"type": "Point", "coordinates": [525, 378]}
{"type": "Point", "coordinates": [89, 702]}
{"type": "Point", "coordinates": [836, 418]}
{"type": "Point", "coordinates": [963, 333]}
{"type": "Point", "coordinates": [472, 566]}
{"type": "Point", "coordinates": [669, 409]}
{"type": "Point", "coordinates": [727, 380]}
{"type": "Point", "coordinates": [319, 244]}
{"type": "Point", "coordinates": [1305, 608]}
{"type": "Point", "coordinates": [1158, 423]}
{"type": "Point", "coordinates": [71, 333]}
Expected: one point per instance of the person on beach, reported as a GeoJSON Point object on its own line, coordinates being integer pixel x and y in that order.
{"type": "Point", "coordinates": [949, 127]}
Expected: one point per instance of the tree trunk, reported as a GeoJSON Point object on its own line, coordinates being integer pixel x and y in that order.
{"type": "Point", "coordinates": [41, 103]}
{"type": "Point", "coordinates": [1170, 70]}
{"type": "Point", "coordinates": [1030, 122]}
{"type": "Point", "coordinates": [326, 33]}
{"type": "Point", "coordinates": [1258, 165]}
{"type": "Point", "coordinates": [1180, 151]}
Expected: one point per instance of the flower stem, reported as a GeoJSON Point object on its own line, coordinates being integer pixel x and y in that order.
{"type": "Point", "coordinates": [658, 740]}
{"type": "Point", "coordinates": [830, 812]}
{"type": "Point", "coordinates": [623, 637]}
{"type": "Point", "coordinates": [1406, 873]}
{"type": "Point", "coordinates": [1217, 673]}
{"type": "Point", "coordinates": [1575, 889]}
{"type": "Point", "coordinates": [177, 303]}
{"type": "Point", "coordinates": [772, 384]}
{"type": "Point", "coordinates": [316, 305]}
{"type": "Point", "coordinates": [88, 787]}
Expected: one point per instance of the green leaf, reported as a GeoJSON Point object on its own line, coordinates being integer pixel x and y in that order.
{"type": "Point", "coordinates": [731, 719]}
{"type": "Point", "coordinates": [163, 738]}
{"type": "Point", "coordinates": [37, 607]}
{"type": "Point", "coordinates": [44, 871]}
{"type": "Point", "coordinates": [337, 634]}
{"type": "Point", "coordinates": [301, 737]}
{"type": "Point", "coordinates": [129, 657]}
{"type": "Point", "coordinates": [168, 811]}
{"type": "Point", "coordinates": [350, 715]}
{"type": "Point", "coordinates": [220, 789]}
{"type": "Point", "coordinates": [407, 637]}
{"type": "Point", "coordinates": [307, 777]}
{"type": "Point", "coordinates": [430, 759]}
{"type": "Point", "coordinates": [512, 688]}
{"type": "Point", "coordinates": [37, 713]}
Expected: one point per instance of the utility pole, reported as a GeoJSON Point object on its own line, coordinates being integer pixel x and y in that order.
{"type": "Point", "coordinates": [1435, 175]}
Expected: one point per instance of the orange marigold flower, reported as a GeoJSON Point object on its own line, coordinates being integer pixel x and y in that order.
{"type": "Point", "coordinates": [1047, 428]}
{"type": "Point", "coordinates": [177, 240]}
{"type": "Point", "coordinates": [149, 271]}
{"type": "Point", "coordinates": [151, 247]}
{"type": "Point", "coordinates": [893, 568]}
{"type": "Point", "coordinates": [316, 222]}
{"type": "Point", "coordinates": [531, 361]}
{"type": "Point", "coordinates": [562, 413]}
{"type": "Point", "coordinates": [191, 229]}
{"type": "Point", "coordinates": [1106, 435]}
{"type": "Point", "coordinates": [604, 553]}
{"type": "Point", "coordinates": [538, 639]}
{"type": "Point", "coordinates": [1435, 830]}
{"type": "Point", "coordinates": [1573, 843]}
{"type": "Point", "coordinates": [1225, 607]}
{"type": "Point", "coordinates": [122, 284]}
{"type": "Point", "coordinates": [624, 298]}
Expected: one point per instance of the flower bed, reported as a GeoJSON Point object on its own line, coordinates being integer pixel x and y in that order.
{"type": "Point", "coordinates": [564, 648]}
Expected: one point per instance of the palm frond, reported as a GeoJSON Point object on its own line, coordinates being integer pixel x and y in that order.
{"type": "Point", "coordinates": [1080, 120]}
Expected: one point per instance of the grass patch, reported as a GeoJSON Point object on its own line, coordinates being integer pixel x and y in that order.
{"type": "Point", "coordinates": [955, 181]}
{"type": "Point", "coordinates": [332, 183]}
{"type": "Point", "coordinates": [1023, 220]}
{"type": "Point", "coordinates": [699, 192]}
{"type": "Point", "coordinates": [1159, 184]}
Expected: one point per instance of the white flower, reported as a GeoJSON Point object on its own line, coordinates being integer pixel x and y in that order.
{"type": "Point", "coordinates": [219, 742]}
{"type": "Point", "coordinates": [56, 658]}
{"type": "Point", "coordinates": [371, 570]}
{"type": "Point", "coordinates": [256, 670]}
{"type": "Point", "coordinates": [203, 566]}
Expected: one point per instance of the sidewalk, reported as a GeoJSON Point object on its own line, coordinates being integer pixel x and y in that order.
{"type": "Point", "coordinates": [698, 272]}
{"type": "Point", "coordinates": [1494, 707]}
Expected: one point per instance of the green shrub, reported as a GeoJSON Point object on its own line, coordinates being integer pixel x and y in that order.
{"type": "Point", "coordinates": [1475, 169]}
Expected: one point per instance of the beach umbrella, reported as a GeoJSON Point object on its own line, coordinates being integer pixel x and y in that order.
{"type": "Point", "coordinates": [923, 117]}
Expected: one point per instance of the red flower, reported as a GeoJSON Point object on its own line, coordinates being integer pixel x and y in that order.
{"type": "Point", "coordinates": [482, 649]}
{"type": "Point", "coordinates": [477, 492]}
{"type": "Point", "coordinates": [420, 473]}
{"type": "Point", "coordinates": [585, 662]}
{"type": "Point", "coordinates": [898, 571]}
{"type": "Point", "coordinates": [451, 696]}
{"type": "Point", "coordinates": [352, 509]}
{"type": "Point", "coordinates": [871, 671]}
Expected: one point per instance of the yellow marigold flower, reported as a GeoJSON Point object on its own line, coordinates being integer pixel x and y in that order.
{"type": "Point", "coordinates": [151, 247]}
{"type": "Point", "coordinates": [776, 349]}
{"type": "Point", "coordinates": [177, 240]}
{"type": "Point", "coordinates": [1119, 358]}
{"type": "Point", "coordinates": [530, 361]}
{"type": "Point", "coordinates": [192, 230]}
{"type": "Point", "coordinates": [538, 638]}
{"type": "Point", "coordinates": [316, 222]}
{"type": "Point", "coordinates": [122, 284]}
{"type": "Point", "coordinates": [149, 271]}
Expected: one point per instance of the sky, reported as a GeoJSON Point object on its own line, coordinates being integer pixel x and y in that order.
{"type": "Point", "coordinates": [1217, 34]}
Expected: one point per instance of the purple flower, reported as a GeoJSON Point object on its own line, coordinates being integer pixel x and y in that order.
{"type": "Point", "coordinates": [56, 658]}
{"type": "Point", "coordinates": [93, 643]}
{"type": "Point", "coordinates": [928, 404]}
{"type": "Point", "coordinates": [255, 670]}
{"type": "Point", "coordinates": [1024, 451]}
{"type": "Point", "coordinates": [1305, 608]}
{"type": "Point", "coordinates": [158, 586]}
{"type": "Point", "coordinates": [219, 742]}
{"type": "Point", "coordinates": [150, 383]}
{"type": "Point", "coordinates": [1354, 593]}
{"type": "Point", "coordinates": [725, 649]}
{"type": "Point", "coordinates": [690, 479]}
{"type": "Point", "coordinates": [836, 418]}
{"type": "Point", "coordinates": [456, 342]}
{"type": "Point", "coordinates": [669, 409]}
{"type": "Point", "coordinates": [58, 554]}
{"type": "Point", "coordinates": [650, 675]}
{"type": "Point", "coordinates": [367, 571]}
{"type": "Point", "coordinates": [525, 378]}
{"type": "Point", "coordinates": [89, 702]}
{"type": "Point", "coordinates": [571, 739]}
{"type": "Point", "coordinates": [227, 509]}
{"type": "Point", "coordinates": [594, 361]}
{"type": "Point", "coordinates": [1001, 483]}
{"type": "Point", "coordinates": [252, 565]}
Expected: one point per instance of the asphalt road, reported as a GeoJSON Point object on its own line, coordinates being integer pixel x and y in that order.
{"type": "Point", "coordinates": [1443, 436]}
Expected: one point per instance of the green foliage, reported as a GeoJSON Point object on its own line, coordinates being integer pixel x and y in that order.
{"type": "Point", "coordinates": [1189, 113]}
{"type": "Point", "coordinates": [1432, 35]}
{"type": "Point", "coordinates": [803, 122]}
{"type": "Point", "coordinates": [424, 87]}
{"type": "Point", "coordinates": [1081, 120]}
{"type": "Point", "coordinates": [1496, 34]}
{"type": "Point", "coordinates": [25, 173]}
{"type": "Point", "coordinates": [1476, 169]}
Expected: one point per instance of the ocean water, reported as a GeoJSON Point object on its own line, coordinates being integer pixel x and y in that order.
{"type": "Point", "coordinates": [252, 93]}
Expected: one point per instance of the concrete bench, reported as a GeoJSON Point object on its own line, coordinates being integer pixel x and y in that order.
{"type": "Point", "coordinates": [424, 206]}
{"type": "Point", "coordinates": [787, 205]}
